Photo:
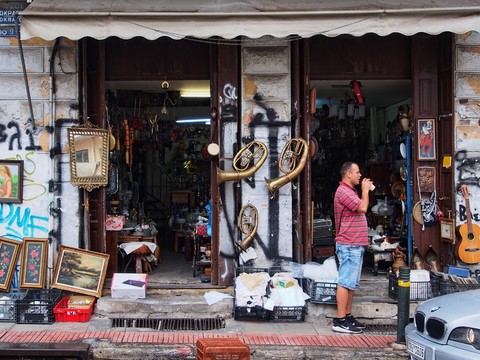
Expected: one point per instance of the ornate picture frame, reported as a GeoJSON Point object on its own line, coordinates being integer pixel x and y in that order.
{"type": "Point", "coordinates": [427, 139]}
{"type": "Point", "coordinates": [33, 268]}
{"type": "Point", "coordinates": [81, 271]}
{"type": "Point", "coordinates": [9, 252]}
{"type": "Point", "coordinates": [11, 181]}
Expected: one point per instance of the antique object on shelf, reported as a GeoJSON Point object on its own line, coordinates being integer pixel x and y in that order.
{"type": "Point", "coordinates": [399, 259]}
{"type": "Point", "coordinates": [88, 157]}
{"type": "Point", "coordinates": [447, 230]}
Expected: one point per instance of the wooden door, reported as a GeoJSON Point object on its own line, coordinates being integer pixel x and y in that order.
{"type": "Point", "coordinates": [93, 110]}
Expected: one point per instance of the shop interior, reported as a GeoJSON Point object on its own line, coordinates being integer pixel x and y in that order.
{"type": "Point", "coordinates": [162, 168]}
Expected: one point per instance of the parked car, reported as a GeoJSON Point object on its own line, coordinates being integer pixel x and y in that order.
{"type": "Point", "coordinates": [446, 327]}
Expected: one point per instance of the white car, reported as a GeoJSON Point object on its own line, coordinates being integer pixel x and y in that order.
{"type": "Point", "coordinates": [446, 327]}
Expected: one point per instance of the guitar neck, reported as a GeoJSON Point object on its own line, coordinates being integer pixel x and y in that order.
{"type": "Point", "coordinates": [469, 216]}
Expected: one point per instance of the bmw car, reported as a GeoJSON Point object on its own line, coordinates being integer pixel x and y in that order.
{"type": "Point", "coordinates": [446, 327]}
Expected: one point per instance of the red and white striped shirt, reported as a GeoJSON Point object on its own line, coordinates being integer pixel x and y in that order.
{"type": "Point", "coordinates": [351, 225]}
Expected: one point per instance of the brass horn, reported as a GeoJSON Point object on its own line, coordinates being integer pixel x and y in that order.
{"type": "Point", "coordinates": [242, 162]}
{"type": "Point", "coordinates": [289, 164]}
{"type": "Point", "coordinates": [248, 224]}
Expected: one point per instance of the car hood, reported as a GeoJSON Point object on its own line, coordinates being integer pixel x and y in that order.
{"type": "Point", "coordinates": [457, 308]}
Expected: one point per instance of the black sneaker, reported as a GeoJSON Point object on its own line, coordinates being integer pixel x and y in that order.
{"type": "Point", "coordinates": [355, 322]}
{"type": "Point", "coordinates": [345, 327]}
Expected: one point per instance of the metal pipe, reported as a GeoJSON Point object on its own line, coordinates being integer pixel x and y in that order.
{"type": "Point", "coordinates": [22, 58]}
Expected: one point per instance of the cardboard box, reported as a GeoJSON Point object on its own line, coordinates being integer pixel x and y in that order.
{"type": "Point", "coordinates": [129, 286]}
{"type": "Point", "coordinates": [80, 302]}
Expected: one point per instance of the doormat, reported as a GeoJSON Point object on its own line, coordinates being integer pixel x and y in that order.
{"type": "Point", "coordinates": [166, 324]}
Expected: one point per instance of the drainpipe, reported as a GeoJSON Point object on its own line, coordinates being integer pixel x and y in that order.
{"type": "Point", "coordinates": [53, 173]}
{"type": "Point", "coordinates": [27, 88]}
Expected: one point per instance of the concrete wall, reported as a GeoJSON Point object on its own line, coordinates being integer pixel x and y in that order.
{"type": "Point", "coordinates": [265, 116]}
{"type": "Point", "coordinates": [467, 124]}
{"type": "Point", "coordinates": [50, 206]}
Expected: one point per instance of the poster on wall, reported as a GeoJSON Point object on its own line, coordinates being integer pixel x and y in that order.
{"type": "Point", "coordinates": [427, 141]}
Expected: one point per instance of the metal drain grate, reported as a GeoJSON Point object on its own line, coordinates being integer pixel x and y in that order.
{"type": "Point", "coordinates": [380, 329]}
{"type": "Point", "coordinates": [164, 324]}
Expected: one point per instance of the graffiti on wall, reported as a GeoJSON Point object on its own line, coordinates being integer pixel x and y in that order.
{"type": "Point", "coordinates": [12, 136]}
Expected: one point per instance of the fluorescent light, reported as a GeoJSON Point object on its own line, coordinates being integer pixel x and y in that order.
{"type": "Point", "coordinates": [195, 94]}
{"type": "Point", "coordinates": [206, 121]}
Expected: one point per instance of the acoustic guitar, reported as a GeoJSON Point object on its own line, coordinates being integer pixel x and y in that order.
{"type": "Point", "coordinates": [468, 248]}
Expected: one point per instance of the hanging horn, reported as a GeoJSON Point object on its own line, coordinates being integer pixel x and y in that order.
{"type": "Point", "coordinates": [248, 224]}
{"type": "Point", "coordinates": [289, 164]}
{"type": "Point", "coordinates": [242, 162]}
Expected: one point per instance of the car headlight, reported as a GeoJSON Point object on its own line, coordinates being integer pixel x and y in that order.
{"type": "Point", "coordinates": [466, 335]}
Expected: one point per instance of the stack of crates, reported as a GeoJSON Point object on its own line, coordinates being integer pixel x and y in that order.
{"type": "Point", "coordinates": [448, 283]}
{"type": "Point", "coordinates": [222, 349]}
{"type": "Point", "coordinates": [37, 306]}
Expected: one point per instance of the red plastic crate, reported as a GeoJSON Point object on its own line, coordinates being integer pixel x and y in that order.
{"type": "Point", "coordinates": [222, 349]}
{"type": "Point", "coordinates": [65, 314]}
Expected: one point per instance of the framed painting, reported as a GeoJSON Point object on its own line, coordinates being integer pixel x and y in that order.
{"type": "Point", "coordinates": [11, 181]}
{"type": "Point", "coordinates": [9, 252]}
{"type": "Point", "coordinates": [33, 266]}
{"type": "Point", "coordinates": [427, 139]}
{"type": "Point", "coordinates": [81, 271]}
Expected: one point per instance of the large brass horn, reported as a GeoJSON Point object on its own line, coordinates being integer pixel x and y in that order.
{"type": "Point", "coordinates": [242, 162]}
{"type": "Point", "coordinates": [292, 161]}
{"type": "Point", "coordinates": [248, 224]}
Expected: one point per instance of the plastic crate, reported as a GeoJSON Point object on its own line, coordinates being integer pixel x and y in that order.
{"type": "Point", "coordinates": [8, 304]}
{"type": "Point", "coordinates": [320, 292]}
{"type": "Point", "coordinates": [447, 284]}
{"type": "Point", "coordinates": [419, 290]}
{"type": "Point", "coordinates": [222, 349]}
{"type": "Point", "coordinates": [65, 314]}
{"type": "Point", "coordinates": [37, 307]}
{"type": "Point", "coordinates": [288, 313]}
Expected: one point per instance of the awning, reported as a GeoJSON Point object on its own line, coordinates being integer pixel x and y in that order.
{"type": "Point", "coordinates": [151, 19]}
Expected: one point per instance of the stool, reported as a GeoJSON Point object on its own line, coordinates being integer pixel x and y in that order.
{"type": "Point", "coordinates": [140, 255]}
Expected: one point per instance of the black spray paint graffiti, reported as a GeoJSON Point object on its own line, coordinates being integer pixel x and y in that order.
{"type": "Point", "coordinates": [462, 214]}
{"type": "Point", "coordinates": [228, 112]}
{"type": "Point", "coordinates": [16, 135]}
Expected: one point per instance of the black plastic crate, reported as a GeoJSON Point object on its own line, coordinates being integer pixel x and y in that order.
{"type": "Point", "coordinates": [419, 290]}
{"type": "Point", "coordinates": [8, 304]}
{"type": "Point", "coordinates": [288, 313]}
{"type": "Point", "coordinates": [447, 284]}
{"type": "Point", "coordinates": [37, 306]}
{"type": "Point", "coordinates": [320, 292]}
{"type": "Point", "coordinates": [258, 313]}
{"type": "Point", "coordinates": [255, 313]}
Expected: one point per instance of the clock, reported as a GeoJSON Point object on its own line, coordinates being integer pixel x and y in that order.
{"type": "Point", "coordinates": [447, 232]}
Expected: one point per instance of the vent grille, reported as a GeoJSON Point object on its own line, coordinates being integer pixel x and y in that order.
{"type": "Point", "coordinates": [164, 324]}
{"type": "Point", "coordinates": [380, 329]}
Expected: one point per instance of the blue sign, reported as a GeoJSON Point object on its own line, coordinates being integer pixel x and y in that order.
{"type": "Point", "coordinates": [8, 11]}
{"type": "Point", "coordinates": [7, 31]}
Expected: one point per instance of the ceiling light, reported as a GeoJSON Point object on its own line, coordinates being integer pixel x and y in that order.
{"type": "Point", "coordinates": [195, 94]}
{"type": "Point", "coordinates": [206, 121]}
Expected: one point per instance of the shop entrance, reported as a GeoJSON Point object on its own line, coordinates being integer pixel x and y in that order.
{"type": "Point", "coordinates": [163, 178]}
{"type": "Point", "coordinates": [371, 131]}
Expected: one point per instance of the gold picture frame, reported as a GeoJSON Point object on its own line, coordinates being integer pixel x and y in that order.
{"type": "Point", "coordinates": [33, 266]}
{"type": "Point", "coordinates": [447, 230]}
{"type": "Point", "coordinates": [81, 271]}
{"type": "Point", "coordinates": [9, 252]}
{"type": "Point", "coordinates": [88, 148]}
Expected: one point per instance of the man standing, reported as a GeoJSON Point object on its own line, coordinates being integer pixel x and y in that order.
{"type": "Point", "coordinates": [350, 242]}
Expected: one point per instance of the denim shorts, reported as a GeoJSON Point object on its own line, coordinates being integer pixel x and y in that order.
{"type": "Point", "coordinates": [350, 259]}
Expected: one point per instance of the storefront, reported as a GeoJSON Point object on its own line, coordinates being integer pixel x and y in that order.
{"type": "Point", "coordinates": [263, 74]}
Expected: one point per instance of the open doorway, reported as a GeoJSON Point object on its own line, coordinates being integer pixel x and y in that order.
{"type": "Point", "coordinates": [367, 130]}
{"type": "Point", "coordinates": [162, 173]}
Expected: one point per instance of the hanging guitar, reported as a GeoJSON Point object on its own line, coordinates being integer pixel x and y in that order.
{"type": "Point", "coordinates": [468, 248]}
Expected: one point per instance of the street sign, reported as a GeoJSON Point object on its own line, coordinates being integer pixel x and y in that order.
{"type": "Point", "coordinates": [8, 11]}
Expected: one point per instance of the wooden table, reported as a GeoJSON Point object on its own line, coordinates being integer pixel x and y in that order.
{"type": "Point", "coordinates": [114, 239]}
